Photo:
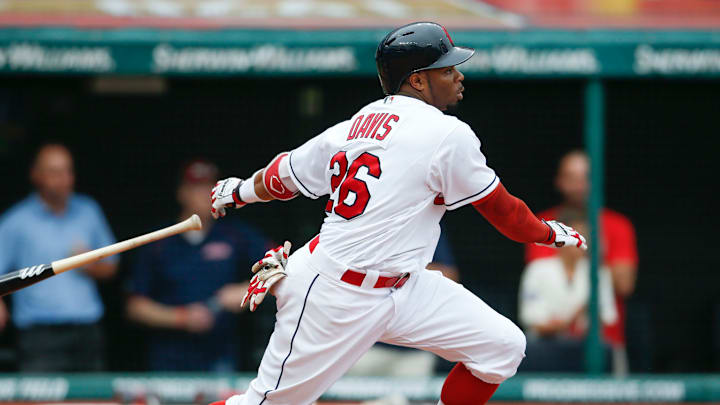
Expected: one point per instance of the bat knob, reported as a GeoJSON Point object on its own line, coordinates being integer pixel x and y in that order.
{"type": "Point", "coordinates": [195, 222]}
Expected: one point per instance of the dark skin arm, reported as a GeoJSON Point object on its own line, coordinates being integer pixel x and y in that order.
{"type": "Point", "coordinates": [194, 317]}
{"type": "Point", "coordinates": [450, 272]}
{"type": "Point", "coordinates": [624, 275]}
{"type": "Point", "coordinates": [260, 189]}
{"type": "Point", "coordinates": [550, 328]}
{"type": "Point", "coordinates": [4, 315]}
{"type": "Point", "coordinates": [556, 326]}
{"type": "Point", "coordinates": [101, 270]}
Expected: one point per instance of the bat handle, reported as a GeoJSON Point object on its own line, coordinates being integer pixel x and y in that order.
{"type": "Point", "coordinates": [190, 224]}
{"type": "Point", "coordinates": [30, 275]}
{"type": "Point", "coordinates": [24, 277]}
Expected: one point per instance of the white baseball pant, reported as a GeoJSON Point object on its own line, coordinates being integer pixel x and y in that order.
{"type": "Point", "coordinates": [325, 325]}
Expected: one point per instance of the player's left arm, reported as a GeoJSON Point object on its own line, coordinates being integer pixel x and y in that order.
{"type": "Point", "coordinates": [459, 170]}
{"type": "Point", "coordinates": [514, 219]}
{"type": "Point", "coordinates": [303, 170]}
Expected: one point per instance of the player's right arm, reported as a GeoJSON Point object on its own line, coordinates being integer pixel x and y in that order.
{"type": "Point", "coordinates": [303, 170]}
{"type": "Point", "coordinates": [265, 185]}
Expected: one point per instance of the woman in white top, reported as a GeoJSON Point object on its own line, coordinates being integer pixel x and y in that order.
{"type": "Point", "coordinates": [554, 293]}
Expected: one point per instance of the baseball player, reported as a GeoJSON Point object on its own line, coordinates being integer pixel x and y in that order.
{"type": "Point", "coordinates": [391, 172]}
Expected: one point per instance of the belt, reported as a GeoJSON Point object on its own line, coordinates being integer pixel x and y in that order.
{"type": "Point", "coordinates": [356, 278]}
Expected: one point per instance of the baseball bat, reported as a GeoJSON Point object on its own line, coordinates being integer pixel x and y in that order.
{"type": "Point", "coordinates": [28, 276]}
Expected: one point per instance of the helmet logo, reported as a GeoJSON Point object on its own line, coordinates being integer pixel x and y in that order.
{"type": "Point", "coordinates": [448, 36]}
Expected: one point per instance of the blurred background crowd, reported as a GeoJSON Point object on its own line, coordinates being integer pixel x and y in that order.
{"type": "Point", "coordinates": [89, 158]}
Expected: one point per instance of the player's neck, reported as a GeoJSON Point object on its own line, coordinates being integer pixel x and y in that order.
{"type": "Point", "coordinates": [411, 92]}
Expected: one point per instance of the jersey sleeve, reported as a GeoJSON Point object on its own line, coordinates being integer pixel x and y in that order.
{"type": "Point", "coordinates": [458, 169]}
{"type": "Point", "coordinates": [309, 165]}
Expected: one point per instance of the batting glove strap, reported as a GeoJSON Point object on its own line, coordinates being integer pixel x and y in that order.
{"type": "Point", "coordinates": [224, 195]}
{"type": "Point", "coordinates": [274, 257]}
{"type": "Point", "coordinates": [563, 235]}
{"type": "Point", "coordinates": [551, 235]}
{"type": "Point", "coordinates": [246, 191]}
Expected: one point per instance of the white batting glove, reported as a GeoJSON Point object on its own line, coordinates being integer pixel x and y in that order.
{"type": "Point", "coordinates": [268, 271]}
{"type": "Point", "coordinates": [563, 235]}
{"type": "Point", "coordinates": [225, 194]}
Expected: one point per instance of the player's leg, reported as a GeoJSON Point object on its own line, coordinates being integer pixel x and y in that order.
{"type": "Point", "coordinates": [461, 387]}
{"type": "Point", "coordinates": [441, 316]}
{"type": "Point", "coordinates": [323, 327]}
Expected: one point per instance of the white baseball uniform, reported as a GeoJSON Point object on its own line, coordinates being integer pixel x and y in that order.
{"type": "Point", "coordinates": [390, 172]}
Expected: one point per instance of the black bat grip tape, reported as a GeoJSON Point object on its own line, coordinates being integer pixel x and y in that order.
{"type": "Point", "coordinates": [22, 278]}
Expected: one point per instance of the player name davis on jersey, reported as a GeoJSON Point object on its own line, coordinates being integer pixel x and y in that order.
{"type": "Point", "coordinates": [369, 126]}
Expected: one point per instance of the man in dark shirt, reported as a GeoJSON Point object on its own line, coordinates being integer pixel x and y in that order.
{"type": "Point", "coordinates": [187, 287]}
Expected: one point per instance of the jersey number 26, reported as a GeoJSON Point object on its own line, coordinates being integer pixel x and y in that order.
{"type": "Point", "coordinates": [347, 182]}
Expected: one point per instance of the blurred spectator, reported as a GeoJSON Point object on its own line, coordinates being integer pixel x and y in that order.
{"type": "Point", "coordinates": [617, 241]}
{"type": "Point", "coordinates": [57, 320]}
{"type": "Point", "coordinates": [186, 287]}
{"type": "Point", "coordinates": [554, 293]}
{"type": "Point", "coordinates": [396, 361]}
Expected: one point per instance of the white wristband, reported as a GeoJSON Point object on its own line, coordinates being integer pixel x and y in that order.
{"type": "Point", "coordinates": [247, 191]}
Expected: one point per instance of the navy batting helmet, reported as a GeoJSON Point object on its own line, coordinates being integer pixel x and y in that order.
{"type": "Point", "coordinates": [415, 47]}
